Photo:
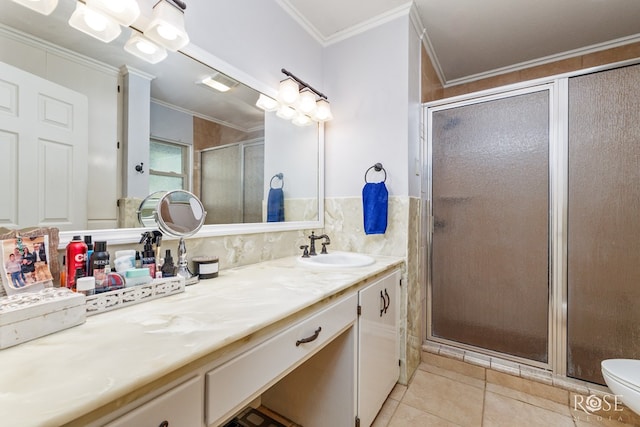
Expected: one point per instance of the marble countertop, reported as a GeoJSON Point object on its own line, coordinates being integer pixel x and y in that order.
{"type": "Point", "coordinates": [57, 378]}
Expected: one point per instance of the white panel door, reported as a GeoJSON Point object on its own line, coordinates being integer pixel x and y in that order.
{"type": "Point", "coordinates": [378, 345]}
{"type": "Point", "coordinates": [43, 152]}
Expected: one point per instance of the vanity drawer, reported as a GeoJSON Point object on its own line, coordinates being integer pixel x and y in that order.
{"type": "Point", "coordinates": [235, 383]}
{"type": "Point", "coordinates": [180, 407]}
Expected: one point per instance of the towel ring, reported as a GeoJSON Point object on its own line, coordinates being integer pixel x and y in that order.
{"type": "Point", "coordinates": [280, 176]}
{"type": "Point", "coordinates": [377, 167]}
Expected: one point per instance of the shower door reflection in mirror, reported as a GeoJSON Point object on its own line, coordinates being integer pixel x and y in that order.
{"type": "Point", "coordinates": [490, 241]}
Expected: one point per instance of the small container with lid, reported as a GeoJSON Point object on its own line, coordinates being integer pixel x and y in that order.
{"type": "Point", "coordinates": [136, 276]}
{"type": "Point", "coordinates": [206, 266]}
{"type": "Point", "coordinates": [86, 285]}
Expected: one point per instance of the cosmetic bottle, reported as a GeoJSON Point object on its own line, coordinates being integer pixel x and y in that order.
{"type": "Point", "coordinates": [138, 260]}
{"type": "Point", "coordinates": [148, 259]}
{"type": "Point", "coordinates": [89, 243]}
{"type": "Point", "coordinates": [86, 285]}
{"type": "Point", "coordinates": [76, 259]}
{"type": "Point", "coordinates": [168, 268]}
{"type": "Point", "coordinates": [99, 263]}
{"type": "Point", "coordinates": [63, 272]}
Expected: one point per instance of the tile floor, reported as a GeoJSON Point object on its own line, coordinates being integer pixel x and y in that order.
{"type": "Point", "coordinates": [448, 392]}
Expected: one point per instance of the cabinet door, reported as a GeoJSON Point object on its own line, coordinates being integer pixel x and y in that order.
{"type": "Point", "coordinates": [378, 345]}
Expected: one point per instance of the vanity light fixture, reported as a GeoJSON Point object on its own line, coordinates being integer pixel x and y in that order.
{"type": "Point", "coordinates": [124, 12]}
{"type": "Point", "coordinates": [267, 103]}
{"type": "Point", "coordinates": [94, 23]}
{"type": "Point", "coordinates": [298, 101]}
{"type": "Point", "coordinates": [44, 7]}
{"type": "Point", "coordinates": [301, 119]}
{"type": "Point", "coordinates": [167, 25]}
{"type": "Point", "coordinates": [140, 46]}
{"type": "Point", "coordinates": [286, 112]}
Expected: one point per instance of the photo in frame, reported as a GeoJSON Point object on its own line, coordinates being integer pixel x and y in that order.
{"type": "Point", "coordinates": [29, 263]}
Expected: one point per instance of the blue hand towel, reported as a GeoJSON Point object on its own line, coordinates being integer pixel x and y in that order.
{"type": "Point", "coordinates": [375, 204]}
{"type": "Point", "coordinates": [275, 205]}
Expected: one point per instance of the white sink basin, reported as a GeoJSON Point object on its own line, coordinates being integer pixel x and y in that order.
{"type": "Point", "coordinates": [337, 259]}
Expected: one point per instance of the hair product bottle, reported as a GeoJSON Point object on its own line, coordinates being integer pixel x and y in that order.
{"type": "Point", "coordinates": [99, 263]}
{"type": "Point", "coordinates": [76, 258]}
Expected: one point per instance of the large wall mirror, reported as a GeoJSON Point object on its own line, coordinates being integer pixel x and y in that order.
{"type": "Point", "coordinates": [105, 129]}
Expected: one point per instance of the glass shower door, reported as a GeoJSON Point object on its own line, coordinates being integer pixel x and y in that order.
{"type": "Point", "coordinates": [490, 239]}
{"type": "Point", "coordinates": [604, 220]}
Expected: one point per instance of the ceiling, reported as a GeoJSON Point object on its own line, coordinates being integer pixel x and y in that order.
{"type": "Point", "coordinates": [471, 39]}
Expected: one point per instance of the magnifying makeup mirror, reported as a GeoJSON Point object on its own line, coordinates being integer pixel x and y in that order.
{"type": "Point", "coordinates": [176, 213]}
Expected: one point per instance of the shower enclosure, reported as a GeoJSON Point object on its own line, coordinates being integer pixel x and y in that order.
{"type": "Point", "coordinates": [534, 232]}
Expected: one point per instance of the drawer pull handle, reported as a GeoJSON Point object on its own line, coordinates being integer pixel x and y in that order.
{"type": "Point", "coordinates": [309, 339]}
{"type": "Point", "coordinates": [165, 423]}
{"type": "Point", "coordinates": [388, 302]}
{"type": "Point", "coordinates": [384, 303]}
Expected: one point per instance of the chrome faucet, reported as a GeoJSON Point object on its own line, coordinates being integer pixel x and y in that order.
{"type": "Point", "coordinates": [312, 247]}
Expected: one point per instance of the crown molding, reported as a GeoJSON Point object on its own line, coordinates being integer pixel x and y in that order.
{"type": "Point", "coordinates": [540, 61]}
{"type": "Point", "coordinates": [376, 21]}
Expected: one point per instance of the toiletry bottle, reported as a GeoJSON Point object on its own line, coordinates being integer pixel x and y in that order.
{"type": "Point", "coordinates": [63, 272]}
{"type": "Point", "coordinates": [87, 241]}
{"type": "Point", "coordinates": [76, 254]}
{"type": "Point", "coordinates": [138, 260]}
{"type": "Point", "coordinates": [99, 262]}
{"type": "Point", "coordinates": [168, 268]}
{"type": "Point", "coordinates": [148, 259]}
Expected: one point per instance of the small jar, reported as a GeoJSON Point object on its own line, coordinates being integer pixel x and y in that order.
{"type": "Point", "coordinates": [206, 266]}
{"type": "Point", "coordinates": [86, 285]}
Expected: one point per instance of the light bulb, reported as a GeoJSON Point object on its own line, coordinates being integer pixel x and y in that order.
{"type": "Point", "coordinates": [167, 32]}
{"type": "Point", "coordinates": [146, 47]}
{"type": "Point", "coordinates": [117, 6]}
{"type": "Point", "coordinates": [267, 103]}
{"type": "Point", "coordinates": [288, 92]}
{"type": "Point", "coordinates": [95, 21]}
{"type": "Point", "coordinates": [307, 101]}
{"type": "Point", "coordinates": [286, 112]}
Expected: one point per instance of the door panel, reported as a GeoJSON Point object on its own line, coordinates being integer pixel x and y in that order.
{"type": "Point", "coordinates": [490, 243]}
{"type": "Point", "coordinates": [44, 130]}
{"type": "Point", "coordinates": [604, 226]}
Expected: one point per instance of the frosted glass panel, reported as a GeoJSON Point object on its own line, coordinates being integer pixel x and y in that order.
{"type": "Point", "coordinates": [490, 256]}
{"type": "Point", "coordinates": [604, 220]}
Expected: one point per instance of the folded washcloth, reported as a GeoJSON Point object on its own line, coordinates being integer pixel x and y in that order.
{"type": "Point", "coordinates": [375, 202]}
{"type": "Point", "coordinates": [275, 205]}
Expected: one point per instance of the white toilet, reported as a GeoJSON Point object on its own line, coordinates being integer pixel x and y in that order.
{"type": "Point", "coordinates": [623, 378]}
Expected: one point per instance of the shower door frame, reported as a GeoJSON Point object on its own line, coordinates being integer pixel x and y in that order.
{"type": "Point", "coordinates": [558, 87]}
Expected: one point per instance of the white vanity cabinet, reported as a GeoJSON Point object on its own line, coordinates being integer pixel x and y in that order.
{"type": "Point", "coordinates": [378, 344]}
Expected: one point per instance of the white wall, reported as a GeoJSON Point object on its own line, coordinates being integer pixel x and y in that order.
{"type": "Point", "coordinates": [170, 124]}
{"type": "Point", "coordinates": [366, 80]}
{"type": "Point", "coordinates": [291, 150]}
{"type": "Point", "coordinates": [257, 37]}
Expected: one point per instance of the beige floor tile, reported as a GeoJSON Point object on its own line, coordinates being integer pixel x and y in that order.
{"type": "Point", "coordinates": [407, 416]}
{"type": "Point", "coordinates": [445, 398]}
{"type": "Point", "coordinates": [384, 416]}
{"type": "Point", "coordinates": [452, 375]}
{"type": "Point", "coordinates": [528, 386]}
{"type": "Point", "coordinates": [530, 399]}
{"type": "Point", "coordinates": [398, 392]}
{"type": "Point", "coordinates": [501, 411]}
{"type": "Point", "coordinates": [454, 365]}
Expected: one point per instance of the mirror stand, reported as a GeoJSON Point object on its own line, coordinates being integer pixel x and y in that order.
{"type": "Point", "coordinates": [183, 265]}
